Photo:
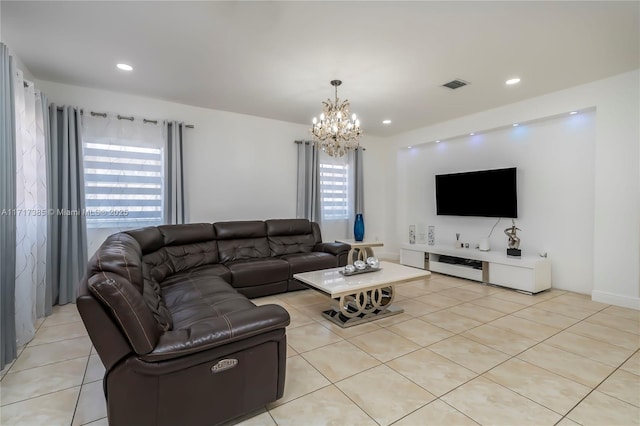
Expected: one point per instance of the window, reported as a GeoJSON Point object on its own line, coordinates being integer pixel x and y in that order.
{"type": "Point", "coordinates": [124, 174]}
{"type": "Point", "coordinates": [334, 190]}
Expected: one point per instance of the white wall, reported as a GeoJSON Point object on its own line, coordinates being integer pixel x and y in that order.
{"type": "Point", "coordinates": [237, 167]}
{"type": "Point", "coordinates": [615, 260]}
{"type": "Point", "coordinates": [555, 162]}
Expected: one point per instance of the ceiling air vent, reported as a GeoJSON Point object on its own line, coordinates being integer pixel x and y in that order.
{"type": "Point", "coordinates": [455, 84]}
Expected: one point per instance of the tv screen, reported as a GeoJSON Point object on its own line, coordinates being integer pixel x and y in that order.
{"type": "Point", "coordinates": [487, 193]}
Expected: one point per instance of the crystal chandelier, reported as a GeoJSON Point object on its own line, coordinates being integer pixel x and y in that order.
{"type": "Point", "coordinates": [337, 131]}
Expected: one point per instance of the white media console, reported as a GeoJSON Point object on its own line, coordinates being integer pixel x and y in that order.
{"type": "Point", "coordinates": [531, 274]}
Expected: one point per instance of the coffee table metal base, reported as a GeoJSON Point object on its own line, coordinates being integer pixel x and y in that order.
{"type": "Point", "coordinates": [361, 307]}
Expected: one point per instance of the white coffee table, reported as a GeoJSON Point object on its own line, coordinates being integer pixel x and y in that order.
{"type": "Point", "coordinates": [360, 298]}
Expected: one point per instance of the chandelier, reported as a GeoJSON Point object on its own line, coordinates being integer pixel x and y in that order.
{"type": "Point", "coordinates": [337, 131]}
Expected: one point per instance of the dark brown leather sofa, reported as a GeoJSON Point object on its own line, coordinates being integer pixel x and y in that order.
{"type": "Point", "coordinates": [167, 310]}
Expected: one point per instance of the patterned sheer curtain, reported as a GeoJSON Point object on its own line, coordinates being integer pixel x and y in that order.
{"type": "Point", "coordinates": [31, 207]}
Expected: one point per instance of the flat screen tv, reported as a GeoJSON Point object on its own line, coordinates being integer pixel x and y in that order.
{"type": "Point", "coordinates": [486, 193]}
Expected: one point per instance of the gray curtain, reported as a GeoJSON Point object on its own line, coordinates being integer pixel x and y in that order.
{"type": "Point", "coordinates": [308, 199]}
{"type": "Point", "coordinates": [46, 128]}
{"type": "Point", "coordinates": [358, 181]}
{"type": "Point", "coordinates": [174, 179]}
{"type": "Point", "coordinates": [7, 203]}
{"type": "Point", "coordinates": [67, 242]}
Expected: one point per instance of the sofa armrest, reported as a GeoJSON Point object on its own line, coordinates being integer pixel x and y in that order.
{"type": "Point", "coordinates": [333, 248]}
{"type": "Point", "coordinates": [211, 332]}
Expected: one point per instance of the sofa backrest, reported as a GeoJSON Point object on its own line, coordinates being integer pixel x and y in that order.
{"type": "Point", "coordinates": [168, 249]}
{"type": "Point", "coordinates": [288, 236]}
{"type": "Point", "coordinates": [242, 240]}
{"type": "Point", "coordinates": [189, 246]}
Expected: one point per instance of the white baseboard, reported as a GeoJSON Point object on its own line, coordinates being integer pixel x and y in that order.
{"type": "Point", "coordinates": [616, 299]}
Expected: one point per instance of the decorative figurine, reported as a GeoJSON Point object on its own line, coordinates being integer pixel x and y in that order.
{"type": "Point", "coordinates": [458, 243]}
{"type": "Point", "coordinates": [514, 241]}
{"type": "Point", "coordinates": [431, 235]}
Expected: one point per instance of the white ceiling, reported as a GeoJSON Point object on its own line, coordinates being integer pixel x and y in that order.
{"type": "Point", "coordinates": [275, 59]}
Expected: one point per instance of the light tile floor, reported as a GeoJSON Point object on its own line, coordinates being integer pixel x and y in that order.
{"type": "Point", "coordinates": [462, 353]}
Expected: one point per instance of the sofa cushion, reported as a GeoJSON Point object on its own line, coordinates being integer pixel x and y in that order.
{"type": "Point", "coordinates": [291, 244]}
{"type": "Point", "coordinates": [129, 309]}
{"type": "Point", "coordinates": [194, 299]}
{"type": "Point", "coordinates": [188, 256]}
{"type": "Point", "coordinates": [206, 271]}
{"type": "Point", "coordinates": [246, 273]}
{"type": "Point", "coordinates": [305, 262]}
{"type": "Point", "coordinates": [288, 236]}
{"type": "Point", "coordinates": [156, 266]}
{"type": "Point", "coordinates": [283, 227]}
{"type": "Point", "coordinates": [152, 296]}
{"type": "Point", "coordinates": [216, 331]}
{"type": "Point", "coordinates": [242, 249]}
{"type": "Point", "coordinates": [241, 240]}
{"type": "Point", "coordinates": [177, 235]}
{"type": "Point", "coordinates": [240, 229]}
{"type": "Point", "coordinates": [150, 238]}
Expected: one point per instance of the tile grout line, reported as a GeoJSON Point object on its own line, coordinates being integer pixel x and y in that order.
{"type": "Point", "coordinates": [46, 365]}
{"type": "Point", "coordinates": [458, 334]}
{"type": "Point", "coordinates": [599, 384]}
{"type": "Point", "coordinates": [511, 357]}
{"type": "Point", "coordinates": [592, 389]}
{"type": "Point", "coordinates": [44, 394]}
{"type": "Point", "coordinates": [450, 360]}
{"type": "Point", "coordinates": [75, 408]}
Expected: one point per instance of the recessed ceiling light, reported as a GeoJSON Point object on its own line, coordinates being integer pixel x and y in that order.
{"type": "Point", "coordinates": [515, 124]}
{"type": "Point", "coordinates": [125, 67]}
{"type": "Point", "coordinates": [409, 147]}
{"type": "Point", "coordinates": [471, 134]}
{"type": "Point", "coordinates": [437, 141]}
{"type": "Point", "coordinates": [573, 112]}
{"type": "Point", "coordinates": [386, 121]}
{"type": "Point", "coordinates": [512, 81]}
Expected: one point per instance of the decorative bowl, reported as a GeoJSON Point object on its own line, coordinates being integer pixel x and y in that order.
{"type": "Point", "coordinates": [360, 264]}
{"type": "Point", "coordinates": [373, 262]}
{"type": "Point", "coordinates": [349, 269]}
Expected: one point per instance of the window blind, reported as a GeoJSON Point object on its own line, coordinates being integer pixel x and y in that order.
{"type": "Point", "coordinates": [334, 191]}
{"type": "Point", "coordinates": [123, 185]}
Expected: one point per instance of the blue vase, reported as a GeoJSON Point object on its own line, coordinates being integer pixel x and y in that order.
{"type": "Point", "coordinates": [358, 227]}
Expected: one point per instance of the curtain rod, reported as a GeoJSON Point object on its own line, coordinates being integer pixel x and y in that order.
{"type": "Point", "coordinates": [127, 117]}
{"type": "Point", "coordinates": [308, 142]}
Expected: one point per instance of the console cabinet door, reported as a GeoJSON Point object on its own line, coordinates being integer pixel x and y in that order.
{"type": "Point", "coordinates": [512, 277]}
{"type": "Point", "coordinates": [412, 258]}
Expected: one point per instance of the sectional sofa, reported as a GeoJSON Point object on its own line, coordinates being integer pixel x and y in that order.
{"type": "Point", "coordinates": [168, 311]}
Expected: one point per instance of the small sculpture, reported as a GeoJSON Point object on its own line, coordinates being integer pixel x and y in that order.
{"type": "Point", "coordinates": [514, 240]}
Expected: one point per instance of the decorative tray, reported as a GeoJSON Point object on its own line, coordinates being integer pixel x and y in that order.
{"type": "Point", "coordinates": [360, 271]}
